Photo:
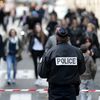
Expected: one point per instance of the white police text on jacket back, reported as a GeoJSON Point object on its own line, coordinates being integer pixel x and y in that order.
{"type": "Point", "coordinates": [66, 61]}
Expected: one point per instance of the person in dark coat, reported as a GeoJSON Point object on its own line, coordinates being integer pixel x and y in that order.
{"type": "Point", "coordinates": [62, 65]}
{"type": "Point", "coordinates": [91, 35]}
{"type": "Point", "coordinates": [36, 45]}
{"type": "Point", "coordinates": [76, 33]}
{"type": "Point", "coordinates": [1, 47]}
{"type": "Point", "coordinates": [52, 23]}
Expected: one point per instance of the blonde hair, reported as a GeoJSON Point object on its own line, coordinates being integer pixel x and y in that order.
{"type": "Point", "coordinates": [91, 26]}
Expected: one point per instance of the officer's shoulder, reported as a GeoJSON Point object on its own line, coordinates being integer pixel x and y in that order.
{"type": "Point", "coordinates": [77, 49]}
{"type": "Point", "coordinates": [74, 47]}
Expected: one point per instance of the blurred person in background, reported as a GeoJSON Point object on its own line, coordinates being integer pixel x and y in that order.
{"type": "Point", "coordinates": [52, 23]}
{"type": "Point", "coordinates": [84, 23]}
{"type": "Point", "coordinates": [88, 76]}
{"type": "Point", "coordinates": [75, 32]}
{"type": "Point", "coordinates": [91, 34]}
{"type": "Point", "coordinates": [64, 23]}
{"type": "Point", "coordinates": [70, 14]}
{"type": "Point", "coordinates": [34, 16]}
{"type": "Point", "coordinates": [32, 19]}
{"type": "Point", "coordinates": [1, 48]}
{"type": "Point", "coordinates": [23, 18]}
{"type": "Point", "coordinates": [41, 12]}
{"type": "Point", "coordinates": [12, 16]}
{"type": "Point", "coordinates": [36, 45]}
{"type": "Point", "coordinates": [94, 20]}
{"type": "Point", "coordinates": [10, 19]}
{"type": "Point", "coordinates": [11, 51]}
{"type": "Point", "coordinates": [88, 43]}
{"type": "Point", "coordinates": [2, 15]}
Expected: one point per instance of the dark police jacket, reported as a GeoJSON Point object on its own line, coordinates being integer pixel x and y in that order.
{"type": "Point", "coordinates": [62, 65]}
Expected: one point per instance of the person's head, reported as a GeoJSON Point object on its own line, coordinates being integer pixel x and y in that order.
{"type": "Point", "coordinates": [12, 33]}
{"type": "Point", "coordinates": [38, 28]}
{"type": "Point", "coordinates": [53, 16]}
{"type": "Point", "coordinates": [88, 42]}
{"type": "Point", "coordinates": [64, 23]}
{"type": "Point", "coordinates": [84, 49]}
{"type": "Point", "coordinates": [62, 35]}
{"type": "Point", "coordinates": [90, 27]}
{"type": "Point", "coordinates": [74, 22]}
{"type": "Point", "coordinates": [92, 14]}
{"type": "Point", "coordinates": [68, 21]}
{"type": "Point", "coordinates": [13, 12]}
{"type": "Point", "coordinates": [85, 20]}
{"type": "Point", "coordinates": [39, 32]}
{"type": "Point", "coordinates": [1, 4]}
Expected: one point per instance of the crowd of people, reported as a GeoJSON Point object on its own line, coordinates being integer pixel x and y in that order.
{"type": "Point", "coordinates": [82, 28]}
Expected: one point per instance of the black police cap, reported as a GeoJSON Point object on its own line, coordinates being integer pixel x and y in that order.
{"type": "Point", "coordinates": [62, 32]}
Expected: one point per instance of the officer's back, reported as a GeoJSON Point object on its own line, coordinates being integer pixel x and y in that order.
{"type": "Point", "coordinates": [62, 65]}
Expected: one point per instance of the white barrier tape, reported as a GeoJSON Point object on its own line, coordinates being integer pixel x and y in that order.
{"type": "Point", "coordinates": [24, 90]}
{"type": "Point", "coordinates": [39, 90]}
{"type": "Point", "coordinates": [90, 91]}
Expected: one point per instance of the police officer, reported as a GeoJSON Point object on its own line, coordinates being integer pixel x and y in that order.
{"type": "Point", "coordinates": [62, 65]}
